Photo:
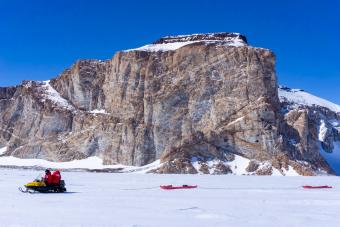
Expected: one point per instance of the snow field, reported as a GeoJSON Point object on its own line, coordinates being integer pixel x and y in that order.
{"type": "Point", "coordinates": [91, 163]}
{"type": "Point", "coordinates": [104, 199]}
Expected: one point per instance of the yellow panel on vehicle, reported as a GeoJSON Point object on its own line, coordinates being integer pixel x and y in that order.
{"type": "Point", "coordinates": [36, 184]}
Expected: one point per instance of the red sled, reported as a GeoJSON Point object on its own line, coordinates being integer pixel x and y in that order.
{"type": "Point", "coordinates": [316, 187]}
{"type": "Point", "coordinates": [170, 187]}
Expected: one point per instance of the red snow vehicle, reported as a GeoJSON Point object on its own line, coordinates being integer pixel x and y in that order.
{"type": "Point", "coordinates": [316, 187]}
{"type": "Point", "coordinates": [170, 187]}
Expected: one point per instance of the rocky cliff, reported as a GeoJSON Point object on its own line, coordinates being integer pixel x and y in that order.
{"type": "Point", "coordinates": [197, 102]}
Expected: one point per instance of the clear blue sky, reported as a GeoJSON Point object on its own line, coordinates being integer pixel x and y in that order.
{"type": "Point", "coordinates": [39, 39]}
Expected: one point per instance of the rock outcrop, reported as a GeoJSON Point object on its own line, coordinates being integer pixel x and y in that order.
{"type": "Point", "coordinates": [204, 97]}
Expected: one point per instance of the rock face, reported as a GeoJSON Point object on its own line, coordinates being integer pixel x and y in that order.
{"type": "Point", "coordinates": [203, 96]}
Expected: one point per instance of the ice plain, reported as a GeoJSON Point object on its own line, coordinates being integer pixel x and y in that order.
{"type": "Point", "coordinates": [135, 199]}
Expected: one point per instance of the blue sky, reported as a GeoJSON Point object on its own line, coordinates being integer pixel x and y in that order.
{"type": "Point", "coordinates": [39, 39]}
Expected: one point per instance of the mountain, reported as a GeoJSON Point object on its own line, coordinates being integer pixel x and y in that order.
{"type": "Point", "coordinates": [205, 103]}
{"type": "Point", "coordinates": [314, 126]}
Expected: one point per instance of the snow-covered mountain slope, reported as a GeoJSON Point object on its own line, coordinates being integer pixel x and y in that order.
{"type": "Point", "coordinates": [300, 97]}
{"type": "Point", "coordinates": [170, 43]}
{"type": "Point", "coordinates": [317, 121]}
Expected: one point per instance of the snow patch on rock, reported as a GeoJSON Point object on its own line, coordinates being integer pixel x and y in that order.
{"type": "Point", "coordinates": [239, 166]}
{"type": "Point", "coordinates": [98, 111]}
{"type": "Point", "coordinates": [161, 47]}
{"type": "Point", "coordinates": [322, 130]}
{"type": "Point", "coordinates": [3, 150]}
{"type": "Point", "coordinates": [171, 43]}
{"type": "Point", "coordinates": [177, 45]}
{"type": "Point", "coordinates": [290, 172]}
{"type": "Point", "coordinates": [51, 94]}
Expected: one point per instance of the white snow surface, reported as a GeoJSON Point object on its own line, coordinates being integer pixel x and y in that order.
{"type": "Point", "coordinates": [3, 150]}
{"type": "Point", "coordinates": [88, 163]}
{"type": "Point", "coordinates": [162, 47]}
{"type": "Point", "coordinates": [51, 94]}
{"type": "Point", "coordinates": [106, 199]}
{"type": "Point", "coordinates": [300, 97]}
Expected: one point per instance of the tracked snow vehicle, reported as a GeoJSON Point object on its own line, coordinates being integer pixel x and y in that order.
{"type": "Point", "coordinates": [40, 186]}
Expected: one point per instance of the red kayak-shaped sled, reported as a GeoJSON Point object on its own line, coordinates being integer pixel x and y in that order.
{"type": "Point", "coordinates": [170, 187]}
{"type": "Point", "coordinates": [316, 187]}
